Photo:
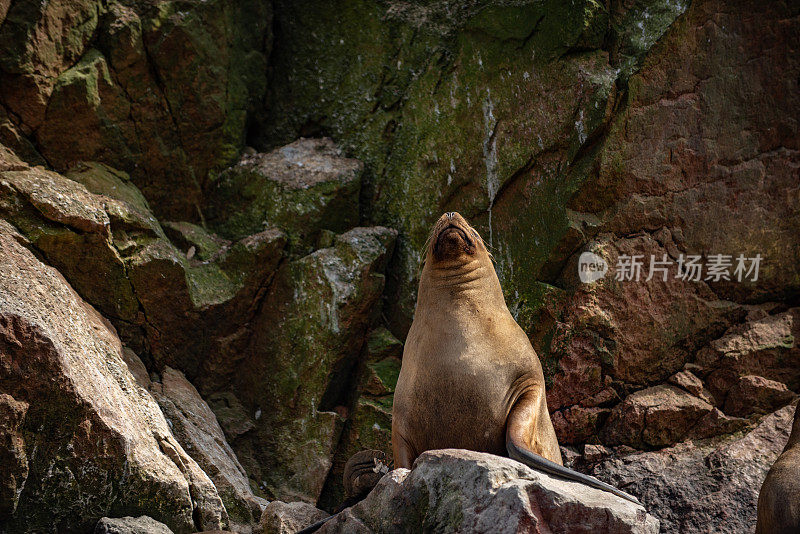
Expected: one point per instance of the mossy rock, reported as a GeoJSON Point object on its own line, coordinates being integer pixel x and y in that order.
{"type": "Point", "coordinates": [304, 188]}
{"type": "Point", "coordinates": [492, 110]}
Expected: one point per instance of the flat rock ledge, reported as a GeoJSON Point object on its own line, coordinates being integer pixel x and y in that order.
{"type": "Point", "coordinates": [469, 492]}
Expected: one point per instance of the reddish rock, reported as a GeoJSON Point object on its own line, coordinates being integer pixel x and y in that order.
{"type": "Point", "coordinates": [716, 423]}
{"type": "Point", "coordinates": [688, 381]}
{"type": "Point", "coordinates": [764, 345]}
{"type": "Point", "coordinates": [634, 332]}
{"type": "Point", "coordinates": [101, 443]}
{"type": "Point", "coordinates": [654, 417]}
{"type": "Point", "coordinates": [39, 42]}
{"type": "Point", "coordinates": [197, 430]}
{"type": "Point", "coordinates": [706, 486]}
{"type": "Point", "coordinates": [756, 395]}
{"type": "Point", "coordinates": [577, 424]}
{"type": "Point", "coordinates": [13, 458]}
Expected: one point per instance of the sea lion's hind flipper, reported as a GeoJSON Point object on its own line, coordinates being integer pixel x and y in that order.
{"type": "Point", "coordinates": [533, 460]}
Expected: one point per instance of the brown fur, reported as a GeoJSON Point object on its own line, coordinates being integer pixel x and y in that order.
{"type": "Point", "coordinates": [779, 500]}
{"type": "Point", "coordinates": [469, 372]}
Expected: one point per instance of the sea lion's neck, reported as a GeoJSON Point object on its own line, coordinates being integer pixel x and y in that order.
{"type": "Point", "coordinates": [467, 283]}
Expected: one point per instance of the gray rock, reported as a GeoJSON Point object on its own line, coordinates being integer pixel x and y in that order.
{"type": "Point", "coordinates": [288, 517]}
{"type": "Point", "coordinates": [196, 428]}
{"type": "Point", "coordinates": [703, 487]}
{"type": "Point", "coordinates": [470, 492]}
{"type": "Point", "coordinates": [131, 525]}
{"type": "Point", "coordinates": [98, 441]}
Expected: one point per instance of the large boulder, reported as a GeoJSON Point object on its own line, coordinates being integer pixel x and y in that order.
{"type": "Point", "coordinates": [655, 417]}
{"type": "Point", "coordinates": [303, 188]}
{"type": "Point", "coordinates": [197, 430]}
{"type": "Point", "coordinates": [185, 303]}
{"type": "Point", "coordinates": [470, 492]}
{"type": "Point", "coordinates": [296, 375]}
{"type": "Point", "coordinates": [703, 486]}
{"type": "Point", "coordinates": [85, 439]}
{"type": "Point", "coordinates": [131, 525]}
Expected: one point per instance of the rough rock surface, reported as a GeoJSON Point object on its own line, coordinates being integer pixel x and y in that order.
{"type": "Point", "coordinates": [307, 340]}
{"type": "Point", "coordinates": [304, 187]}
{"type": "Point", "coordinates": [464, 491]}
{"type": "Point", "coordinates": [197, 430]}
{"type": "Point", "coordinates": [655, 417]}
{"type": "Point", "coordinates": [100, 444]}
{"type": "Point", "coordinates": [131, 525]}
{"type": "Point", "coordinates": [369, 426]}
{"type": "Point", "coordinates": [288, 518]}
{"type": "Point", "coordinates": [707, 486]}
{"type": "Point", "coordinates": [160, 90]}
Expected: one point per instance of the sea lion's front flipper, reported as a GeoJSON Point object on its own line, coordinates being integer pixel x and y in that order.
{"type": "Point", "coordinates": [519, 434]}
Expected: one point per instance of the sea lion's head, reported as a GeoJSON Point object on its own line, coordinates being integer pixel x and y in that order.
{"type": "Point", "coordinates": [457, 266]}
{"type": "Point", "coordinates": [453, 240]}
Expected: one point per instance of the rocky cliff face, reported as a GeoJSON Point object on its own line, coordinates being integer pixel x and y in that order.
{"type": "Point", "coordinates": [212, 214]}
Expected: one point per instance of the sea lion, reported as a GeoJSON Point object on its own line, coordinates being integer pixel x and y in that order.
{"type": "Point", "coordinates": [779, 499]}
{"type": "Point", "coordinates": [470, 378]}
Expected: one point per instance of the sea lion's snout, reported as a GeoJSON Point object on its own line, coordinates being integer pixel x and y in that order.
{"type": "Point", "coordinates": [453, 237]}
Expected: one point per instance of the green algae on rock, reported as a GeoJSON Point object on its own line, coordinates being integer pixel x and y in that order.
{"type": "Point", "coordinates": [307, 340]}
{"type": "Point", "coordinates": [302, 188]}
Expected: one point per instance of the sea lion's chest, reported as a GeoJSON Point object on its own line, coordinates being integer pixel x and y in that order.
{"type": "Point", "coordinates": [458, 383]}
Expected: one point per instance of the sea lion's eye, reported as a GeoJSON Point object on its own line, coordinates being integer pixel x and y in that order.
{"type": "Point", "coordinates": [474, 232]}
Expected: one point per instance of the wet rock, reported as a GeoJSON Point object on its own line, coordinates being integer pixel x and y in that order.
{"type": "Point", "coordinates": [654, 417]}
{"type": "Point", "coordinates": [101, 443]}
{"type": "Point", "coordinates": [703, 486]}
{"type": "Point", "coordinates": [131, 525]}
{"type": "Point", "coordinates": [303, 187]}
{"type": "Point", "coordinates": [288, 518]}
{"type": "Point", "coordinates": [196, 428]}
{"type": "Point", "coordinates": [470, 492]}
